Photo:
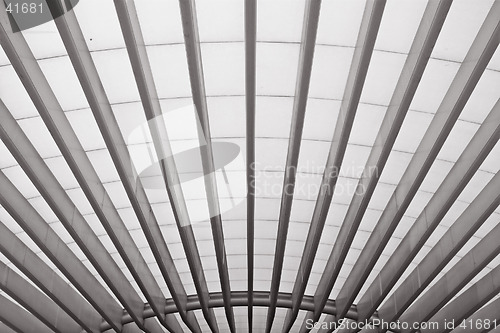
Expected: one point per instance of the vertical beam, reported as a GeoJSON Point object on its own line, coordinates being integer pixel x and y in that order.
{"type": "Point", "coordinates": [18, 319]}
{"type": "Point", "coordinates": [460, 90]}
{"type": "Point", "coordinates": [461, 231]}
{"type": "Point", "coordinates": [309, 32]}
{"type": "Point", "coordinates": [36, 302]}
{"type": "Point", "coordinates": [418, 57]}
{"type": "Point", "coordinates": [81, 59]}
{"type": "Point", "coordinates": [144, 78]}
{"type": "Point", "coordinates": [250, 93]}
{"type": "Point", "coordinates": [370, 24]}
{"type": "Point", "coordinates": [195, 67]}
{"type": "Point", "coordinates": [48, 281]}
{"type": "Point", "coordinates": [50, 110]}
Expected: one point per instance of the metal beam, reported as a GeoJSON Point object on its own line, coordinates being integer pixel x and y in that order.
{"type": "Point", "coordinates": [461, 231]}
{"type": "Point", "coordinates": [309, 32]}
{"type": "Point", "coordinates": [54, 248]}
{"type": "Point", "coordinates": [37, 87]}
{"type": "Point", "coordinates": [18, 319]}
{"type": "Point", "coordinates": [240, 298]}
{"type": "Point", "coordinates": [442, 123]}
{"type": "Point", "coordinates": [36, 302]}
{"type": "Point", "coordinates": [48, 281]}
{"type": "Point", "coordinates": [468, 302]}
{"type": "Point", "coordinates": [416, 62]}
{"type": "Point", "coordinates": [6, 329]}
{"type": "Point", "coordinates": [456, 278]}
{"type": "Point", "coordinates": [142, 71]}
{"type": "Point", "coordinates": [195, 67]}
{"type": "Point", "coordinates": [357, 74]}
{"type": "Point", "coordinates": [81, 59]}
{"type": "Point", "coordinates": [490, 312]}
{"type": "Point", "coordinates": [250, 97]}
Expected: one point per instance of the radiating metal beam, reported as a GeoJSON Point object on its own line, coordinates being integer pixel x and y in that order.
{"type": "Point", "coordinates": [309, 32]}
{"type": "Point", "coordinates": [54, 248]}
{"type": "Point", "coordinates": [467, 303]}
{"type": "Point", "coordinates": [36, 302]}
{"type": "Point", "coordinates": [195, 67]}
{"type": "Point", "coordinates": [142, 71]}
{"type": "Point", "coordinates": [418, 57]}
{"type": "Point", "coordinates": [250, 98]}
{"type": "Point", "coordinates": [37, 87]}
{"type": "Point", "coordinates": [460, 232]}
{"type": "Point", "coordinates": [455, 279]}
{"type": "Point", "coordinates": [6, 329]}
{"type": "Point", "coordinates": [490, 312]}
{"type": "Point", "coordinates": [86, 71]}
{"type": "Point", "coordinates": [357, 74]}
{"type": "Point", "coordinates": [18, 319]}
{"type": "Point", "coordinates": [49, 281]}
{"type": "Point", "coordinates": [442, 123]}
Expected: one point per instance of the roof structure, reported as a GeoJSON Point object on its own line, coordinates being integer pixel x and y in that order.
{"type": "Point", "coordinates": [251, 166]}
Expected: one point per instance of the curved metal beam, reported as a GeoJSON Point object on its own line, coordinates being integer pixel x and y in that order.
{"type": "Point", "coordinates": [240, 298]}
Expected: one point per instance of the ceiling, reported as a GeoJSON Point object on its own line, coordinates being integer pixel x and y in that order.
{"type": "Point", "coordinates": [244, 165]}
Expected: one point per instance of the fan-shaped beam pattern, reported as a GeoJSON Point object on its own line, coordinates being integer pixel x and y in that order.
{"type": "Point", "coordinates": [457, 95]}
{"type": "Point", "coordinates": [48, 281]}
{"type": "Point", "coordinates": [36, 302]}
{"type": "Point", "coordinates": [35, 226]}
{"type": "Point", "coordinates": [416, 62]}
{"type": "Point", "coordinates": [18, 319]}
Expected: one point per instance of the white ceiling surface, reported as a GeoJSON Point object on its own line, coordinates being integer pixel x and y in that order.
{"type": "Point", "coordinates": [279, 33]}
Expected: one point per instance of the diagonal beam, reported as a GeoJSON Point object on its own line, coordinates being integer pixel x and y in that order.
{"type": "Point", "coordinates": [6, 329]}
{"type": "Point", "coordinates": [18, 319]}
{"type": "Point", "coordinates": [418, 57]}
{"type": "Point", "coordinates": [41, 233]}
{"type": "Point", "coordinates": [309, 31]}
{"type": "Point", "coordinates": [48, 281]}
{"type": "Point", "coordinates": [79, 54]}
{"type": "Point", "coordinates": [195, 67]}
{"type": "Point", "coordinates": [457, 278]}
{"type": "Point", "coordinates": [361, 59]}
{"type": "Point", "coordinates": [460, 90]}
{"type": "Point", "coordinates": [468, 302]}
{"type": "Point", "coordinates": [36, 302]}
{"type": "Point", "coordinates": [43, 98]}
{"type": "Point", "coordinates": [490, 312]}
{"type": "Point", "coordinates": [250, 84]}
{"type": "Point", "coordinates": [463, 229]}
{"type": "Point", "coordinates": [142, 70]}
